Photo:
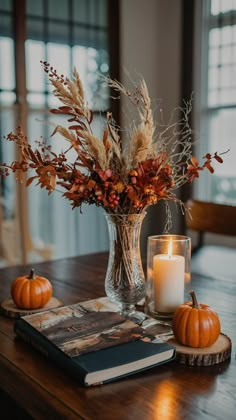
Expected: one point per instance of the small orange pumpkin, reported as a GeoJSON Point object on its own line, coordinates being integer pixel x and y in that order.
{"type": "Point", "coordinates": [196, 325]}
{"type": "Point", "coordinates": [31, 292]}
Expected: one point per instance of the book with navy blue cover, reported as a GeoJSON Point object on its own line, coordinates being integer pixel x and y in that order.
{"type": "Point", "coordinates": [94, 343]}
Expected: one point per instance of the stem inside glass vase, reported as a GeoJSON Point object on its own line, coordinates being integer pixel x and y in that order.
{"type": "Point", "coordinates": [125, 280]}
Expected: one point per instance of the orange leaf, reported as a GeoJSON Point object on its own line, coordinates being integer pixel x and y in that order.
{"type": "Point", "coordinates": [209, 167]}
{"type": "Point", "coordinates": [64, 109]}
{"type": "Point", "coordinates": [194, 161]}
{"type": "Point", "coordinates": [30, 180]}
{"type": "Point", "coordinates": [218, 158]}
{"type": "Point", "coordinates": [55, 111]}
{"type": "Point", "coordinates": [53, 181]}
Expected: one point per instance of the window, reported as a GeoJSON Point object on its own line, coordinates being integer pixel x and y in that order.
{"type": "Point", "coordinates": [7, 101]}
{"type": "Point", "coordinates": [215, 65]}
{"type": "Point", "coordinates": [66, 33]}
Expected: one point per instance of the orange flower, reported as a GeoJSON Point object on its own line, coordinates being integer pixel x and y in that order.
{"type": "Point", "coordinates": [193, 169]}
{"type": "Point", "coordinates": [119, 187]}
{"type": "Point", "coordinates": [91, 184]}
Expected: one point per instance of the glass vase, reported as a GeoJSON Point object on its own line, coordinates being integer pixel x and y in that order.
{"type": "Point", "coordinates": [125, 280]}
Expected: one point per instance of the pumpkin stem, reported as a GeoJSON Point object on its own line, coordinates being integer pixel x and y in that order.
{"type": "Point", "coordinates": [194, 299]}
{"type": "Point", "coordinates": [31, 274]}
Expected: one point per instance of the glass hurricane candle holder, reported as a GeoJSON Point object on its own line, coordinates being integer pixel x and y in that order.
{"type": "Point", "coordinates": [168, 274]}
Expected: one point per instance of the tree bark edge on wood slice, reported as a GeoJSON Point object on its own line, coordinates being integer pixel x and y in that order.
{"type": "Point", "coordinates": [10, 310]}
{"type": "Point", "coordinates": [219, 352]}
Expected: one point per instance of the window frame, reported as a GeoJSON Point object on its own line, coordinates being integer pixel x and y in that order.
{"type": "Point", "coordinates": [203, 111]}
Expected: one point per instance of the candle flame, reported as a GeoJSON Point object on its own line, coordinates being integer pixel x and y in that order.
{"type": "Point", "coordinates": [170, 248]}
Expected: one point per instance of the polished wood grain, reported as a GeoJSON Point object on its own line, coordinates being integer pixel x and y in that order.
{"type": "Point", "coordinates": [170, 391]}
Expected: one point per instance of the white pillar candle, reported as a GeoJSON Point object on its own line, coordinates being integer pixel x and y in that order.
{"type": "Point", "coordinates": [168, 277]}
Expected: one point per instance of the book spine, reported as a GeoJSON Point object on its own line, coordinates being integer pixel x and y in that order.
{"type": "Point", "coordinates": [45, 347]}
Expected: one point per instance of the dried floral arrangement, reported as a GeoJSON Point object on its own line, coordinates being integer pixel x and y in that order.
{"type": "Point", "coordinates": [122, 177]}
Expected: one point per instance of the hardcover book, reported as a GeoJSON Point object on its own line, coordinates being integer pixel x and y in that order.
{"type": "Point", "coordinates": [93, 342]}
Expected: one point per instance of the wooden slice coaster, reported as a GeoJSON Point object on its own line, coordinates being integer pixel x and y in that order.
{"type": "Point", "coordinates": [217, 353]}
{"type": "Point", "coordinates": [9, 309]}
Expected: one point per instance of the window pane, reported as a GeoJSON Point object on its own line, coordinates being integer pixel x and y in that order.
{"type": "Point", "coordinates": [39, 202]}
{"type": "Point", "coordinates": [58, 9]}
{"type": "Point", "coordinates": [222, 6]}
{"type": "Point", "coordinates": [102, 15]}
{"type": "Point", "coordinates": [80, 59]}
{"type": "Point", "coordinates": [7, 71]}
{"type": "Point", "coordinates": [226, 35]}
{"type": "Point", "coordinates": [222, 137]}
{"type": "Point", "coordinates": [221, 36]}
{"type": "Point", "coordinates": [224, 189]}
{"type": "Point", "coordinates": [222, 66]}
{"type": "Point", "coordinates": [36, 127]}
{"type": "Point", "coordinates": [226, 76]}
{"type": "Point", "coordinates": [214, 37]}
{"type": "Point", "coordinates": [7, 124]}
{"type": "Point", "coordinates": [92, 12]}
{"type": "Point", "coordinates": [93, 38]}
{"type": "Point", "coordinates": [36, 99]}
{"type": "Point", "coordinates": [214, 56]}
{"type": "Point", "coordinates": [35, 29]}
{"type": "Point", "coordinates": [234, 33]}
{"type": "Point", "coordinates": [215, 7]}
{"type": "Point", "coordinates": [89, 63]}
{"type": "Point", "coordinates": [213, 78]}
{"type": "Point", "coordinates": [81, 11]}
{"type": "Point", "coordinates": [228, 54]}
{"type": "Point", "coordinates": [34, 8]}
{"type": "Point", "coordinates": [7, 98]}
{"type": "Point", "coordinates": [227, 97]}
{"type": "Point", "coordinates": [58, 32]}
{"type": "Point", "coordinates": [213, 98]}
{"type": "Point", "coordinates": [6, 5]}
{"type": "Point", "coordinates": [59, 57]}
{"type": "Point", "coordinates": [35, 77]}
{"type": "Point", "coordinates": [53, 102]}
{"type": "Point", "coordinates": [222, 126]}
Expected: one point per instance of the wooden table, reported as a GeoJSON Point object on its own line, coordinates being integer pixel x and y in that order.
{"type": "Point", "coordinates": [170, 391]}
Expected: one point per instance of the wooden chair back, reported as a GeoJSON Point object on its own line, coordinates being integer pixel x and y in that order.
{"type": "Point", "coordinates": [206, 217]}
